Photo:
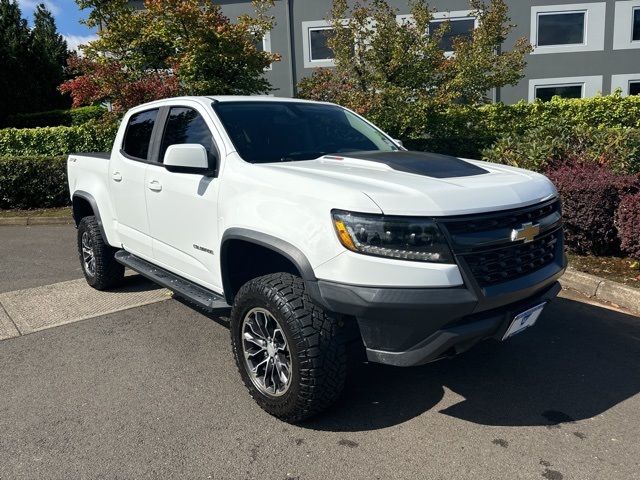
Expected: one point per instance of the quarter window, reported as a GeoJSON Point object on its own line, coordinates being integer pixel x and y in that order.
{"type": "Point", "coordinates": [458, 28]}
{"type": "Point", "coordinates": [562, 28]}
{"type": "Point", "coordinates": [185, 125]}
{"type": "Point", "coordinates": [138, 134]}
{"type": "Point", "coordinates": [634, 88]}
{"type": "Point", "coordinates": [547, 92]}
{"type": "Point", "coordinates": [635, 36]}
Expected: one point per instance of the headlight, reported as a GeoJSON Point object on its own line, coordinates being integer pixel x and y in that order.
{"type": "Point", "coordinates": [405, 238]}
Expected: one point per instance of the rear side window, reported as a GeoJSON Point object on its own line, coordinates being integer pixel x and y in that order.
{"type": "Point", "coordinates": [138, 134]}
{"type": "Point", "coordinates": [185, 125]}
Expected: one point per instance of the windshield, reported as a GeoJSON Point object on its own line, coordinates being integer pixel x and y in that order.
{"type": "Point", "coordinates": [265, 132]}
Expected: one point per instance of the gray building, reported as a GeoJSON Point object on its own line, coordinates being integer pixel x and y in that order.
{"type": "Point", "coordinates": [580, 49]}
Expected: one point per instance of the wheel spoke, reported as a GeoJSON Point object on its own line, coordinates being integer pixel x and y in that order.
{"type": "Point", "coordinates": [259, 342]}
{"type": "Point", "coordinates": [266, 352]}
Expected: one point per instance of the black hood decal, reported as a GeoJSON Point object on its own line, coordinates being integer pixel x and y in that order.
{"type": "Point", "coordinates": [422, 163]}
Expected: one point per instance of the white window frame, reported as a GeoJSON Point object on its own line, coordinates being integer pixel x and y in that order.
{"type": "Point", "coordinates": [594, 27]}
{"type": "Point", "coordinates": [440, 16]}
{"type": "Point", "coordinates": [591, 85]}
{"type": "Point", "coordinates": [623, 82]}
{"type": "Point", "coordinates": [623, 25]}
{"type": "Point", "coordinates": [307, 28]}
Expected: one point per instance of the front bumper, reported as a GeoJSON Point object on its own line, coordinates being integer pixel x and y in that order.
{"type": "Point", "coordinates": [414, 326]}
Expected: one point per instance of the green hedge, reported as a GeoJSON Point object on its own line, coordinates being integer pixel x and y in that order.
{"type": "Point", "coordinates": [54, 118]}
{"type": "Point", "coordinates": [470, 131]}
{"type": "Point", "coordinates": [51, 141]}
{"type": "Point", "coordinates": [33, 182]}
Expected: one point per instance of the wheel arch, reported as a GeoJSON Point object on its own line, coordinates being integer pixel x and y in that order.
{"type": "Point", "coordinates": [84, 205]}
{"type": "Point", "coordinates": [241, 236]}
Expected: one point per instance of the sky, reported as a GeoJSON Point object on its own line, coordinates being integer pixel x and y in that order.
{"type": "Point", "coordinates": [67, 15]}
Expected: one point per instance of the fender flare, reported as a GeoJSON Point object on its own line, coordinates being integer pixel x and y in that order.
{"type": "Point", "coordinates": [94, 206]}
{"type": "Point", "coordinates": [290, 252]}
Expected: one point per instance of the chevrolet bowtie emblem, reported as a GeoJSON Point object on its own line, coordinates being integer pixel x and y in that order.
{"type": "Point", "coordinates": [526, 232]}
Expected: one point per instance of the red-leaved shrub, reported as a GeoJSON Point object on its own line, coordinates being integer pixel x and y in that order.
{"type": "Point", "coordinates": [628, 223]}
{"type": "Point", "coordinates": [590, 197]}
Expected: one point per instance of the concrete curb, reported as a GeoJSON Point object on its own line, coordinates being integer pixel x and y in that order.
{"type": "Point", "coordinates": [601, 289]}
{"type": "Point", "coordinates": [35, 220]}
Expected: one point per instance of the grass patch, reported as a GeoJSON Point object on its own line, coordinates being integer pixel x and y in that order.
{"type": "Point", "coordinates": [622, 270]}
{"type": "Point", "coordinates": [40, 212]}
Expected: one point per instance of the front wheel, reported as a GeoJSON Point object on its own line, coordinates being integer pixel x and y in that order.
{"type": "Point", "coordinates": [289, 351]}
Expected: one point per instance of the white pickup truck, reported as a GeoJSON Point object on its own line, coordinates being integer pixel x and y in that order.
{"type": "Point", "coordinates": [324, 235]}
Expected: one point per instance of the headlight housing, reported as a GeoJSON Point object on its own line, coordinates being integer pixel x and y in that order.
{"type": "Point", "coordinates": [405, 238]}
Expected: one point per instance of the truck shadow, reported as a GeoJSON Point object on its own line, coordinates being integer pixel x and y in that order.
{"type": "Point", "coordinates": [579, 361]}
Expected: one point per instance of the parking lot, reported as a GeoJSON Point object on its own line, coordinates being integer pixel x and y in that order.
{"type": "Point", "coordinates": [139, 385]}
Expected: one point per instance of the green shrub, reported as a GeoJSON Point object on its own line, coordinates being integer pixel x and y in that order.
{"type": "Point", "coordinates": [468, 131]}
{"type": "Point", "coordinates": [33, 182]}
{"type": "Point", "coordinates": [51, 141]}
{"type": "Point", "coordinates": [551, 146]}
{"type": "Point", "coordinates": [54, 118]}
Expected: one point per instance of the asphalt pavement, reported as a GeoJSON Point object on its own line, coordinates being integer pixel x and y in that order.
{"type": "Point", "coordinates": [153, 392]}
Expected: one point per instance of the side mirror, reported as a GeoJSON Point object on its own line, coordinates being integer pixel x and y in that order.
{"type": "Point", "coordinates": [188, 158]}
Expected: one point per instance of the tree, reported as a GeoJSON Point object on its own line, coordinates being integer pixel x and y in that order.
{"type": "Point", "coordinates": [32, 61]}
{"type": "Point", "coordinates": [14, 45]}
{"type": "Point", "coordinates": [48, 58]}
{"type": "Point", "coordinates": [397, 74]}
{"type": "Point", "coordinates": [171, 47]}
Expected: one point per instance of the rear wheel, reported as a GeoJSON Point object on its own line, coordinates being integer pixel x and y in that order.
{"type": "Point", "coordinates": [96, 257]}
{"type": "Point", "coordinates": [290, 352]}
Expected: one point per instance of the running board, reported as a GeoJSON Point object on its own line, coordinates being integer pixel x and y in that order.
{"type": "Point", "coordinates": [201, 296]}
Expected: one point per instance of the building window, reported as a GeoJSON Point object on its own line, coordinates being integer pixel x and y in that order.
{"type": "Point", "coordinates": [263, 44]}
{"type": "Point", "coordinates": [463, 23]}
{"type": "Point", "coordinates": [629, 84]}
{"type": "Point", "coordinates": [459, 28]}
{"type": "Point", "coordinates": [319, 44]}
{"type": "Point", "coordinates": [315, 43]}
{"type": "Point", "coordinates": [567, 87]}
{"type": "Point", "coordinates": [546, 93]}
{"type": "Point", "coordinates": [626, 27]}
{"type": "Point", "coordinates": [576, 27]}
{"type": "Point", "coordinates": [566, 28]}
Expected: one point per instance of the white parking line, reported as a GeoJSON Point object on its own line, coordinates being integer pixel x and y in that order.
{"type": "Point", "coordinates": [39, 308]}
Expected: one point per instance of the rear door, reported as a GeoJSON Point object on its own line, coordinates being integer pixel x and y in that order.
{"type": "Point", "coordinates": [127, 170]}
{"type": "Point", "coordinates": [183, 207]}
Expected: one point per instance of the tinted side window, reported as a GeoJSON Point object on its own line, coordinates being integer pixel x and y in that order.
{"type": "Point", "coordinates": [138, 134]}
{"type": "Point", "coordinates": [185, 125]}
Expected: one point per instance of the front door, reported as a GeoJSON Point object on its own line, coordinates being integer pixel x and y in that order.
{"type": "Point", "coordinates": [127, 170]}
{"type": "Point", "coordinates": [183, 207]}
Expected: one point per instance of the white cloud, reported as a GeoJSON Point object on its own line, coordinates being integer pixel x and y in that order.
{"type": "Point", "coordinates": [30, 5]}
{"type": "Point", "coordinates": [74, 40]}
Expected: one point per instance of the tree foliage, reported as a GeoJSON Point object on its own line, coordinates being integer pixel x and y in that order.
{"type": "Point", "coordinates": [32, 61]}
{"type": "Point", "coordinates": [171, 47]}
{"type": "Point", "coordinates": [396, 73]}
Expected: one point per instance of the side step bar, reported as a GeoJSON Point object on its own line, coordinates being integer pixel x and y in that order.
{"type": "Point", "coordinates": [201, 296]}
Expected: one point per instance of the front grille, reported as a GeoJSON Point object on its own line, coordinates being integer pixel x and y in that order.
{"type": "Point", "coordinates": [483, 242]}
{"type": "Point", "coordinates": [495, 221]}
{"type": "Point", "coordinates": [513, 261]}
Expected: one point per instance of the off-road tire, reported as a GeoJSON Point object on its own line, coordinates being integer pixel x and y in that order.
{"type": "Point", "coordinates": [108, 272]}
{"type": "Point", "coordinates": [316, 340]}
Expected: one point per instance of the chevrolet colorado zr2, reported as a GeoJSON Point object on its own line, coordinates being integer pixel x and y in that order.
{"type": "Point", "coordinates": [323, 234]}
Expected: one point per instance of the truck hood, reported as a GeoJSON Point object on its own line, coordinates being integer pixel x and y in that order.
{"type": "Point", "coordinates": [417, 183]}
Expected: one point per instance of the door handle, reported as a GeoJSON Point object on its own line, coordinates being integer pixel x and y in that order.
{"type": "Point", "coordinates": [154, 185]}
{"type": "Point", "coordinates": [117, 176]}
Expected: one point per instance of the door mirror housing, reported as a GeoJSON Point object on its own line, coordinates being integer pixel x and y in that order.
{"type": "Point", "coordinates": [188, 158]}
